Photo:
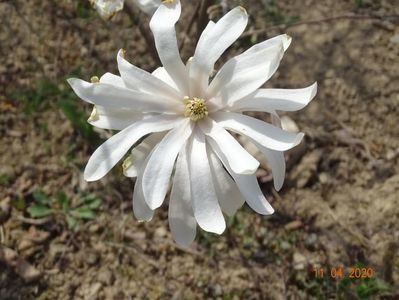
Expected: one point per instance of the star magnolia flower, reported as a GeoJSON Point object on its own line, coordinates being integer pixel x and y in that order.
{"type": "Point", "coordinates": [184, 119]}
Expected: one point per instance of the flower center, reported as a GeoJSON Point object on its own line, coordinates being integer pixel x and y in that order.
{"type": "Point", "coordinates": [195, 108]}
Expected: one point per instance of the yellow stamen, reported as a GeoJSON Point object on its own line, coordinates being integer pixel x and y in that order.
{"type": "Point", "coordinates": [94, 79]}
{"type": "Point", "coordinates": [127, 163]}
{"type": "Point", "coordinates": [123, 53]}
{"type": "Point", "coordinates": [195, 108]}
{"type": "Point", "coordinates": [168, 1]}
{"type": "Point", "coordinates": [93, 116]}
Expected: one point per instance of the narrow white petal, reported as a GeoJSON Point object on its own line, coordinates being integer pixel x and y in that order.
{"type": "Point", "coordinates": [143, 81]}
{"type": "Point", "coordinates": [109, 153]}
{"type": "Point", "coordinates": [139, 154]}
{"type": "Point", "coordinates": [244, 74]}
{"type": "Point", "coordinates": [182, 222]}
{"type": "Point", "coordinates": [163, 27]}
{"type": "Point", "coordinates": [248, 186]}
{"type": "Point", "coordinates": [213, 42]}
{"type": "Point", "coordinates": [206, 208]}
{"type": "Point", "coordinates": [199, 78]}
{"type": "Point", "coordinates": [161, 74]}
{"type": "Point", "coordinates": [270, 100]}
{"type": "Point", "coordinates": [107, 95]}
{"type": "Point", "coordinates": [160, 165]}
{"type": "Point", "coordinates": [265, 134]}
{"type": "Point", "coordinates": [112, 79]}
{"type": "Point", "coordinates": [238, 158]}
{"type": "Point", "coordinates": [283, 39]}
{"type": "Point", "coordinates": [229, 196]}
{"type": "Point", "coordinates": [141, 210]}
{"type": "Point", "coordinates": [113, 118]}
{"type": "Point", "coordinates": [276, 161]}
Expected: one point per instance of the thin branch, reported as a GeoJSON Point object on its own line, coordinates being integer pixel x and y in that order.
{"type": "Point", "coordinates": [134, 17]}
{"type": "Point", "coordinates": [190, 25]}
{"type": "Point", "coordinates": [319, 21]}
{"type": "Point", "coordinates": [203, 18]}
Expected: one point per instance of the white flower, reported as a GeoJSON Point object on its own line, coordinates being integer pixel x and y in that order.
{"type": "Point", "coordinates": [107, 8]}
{"type": "Point", "coordinates": [184, 121]}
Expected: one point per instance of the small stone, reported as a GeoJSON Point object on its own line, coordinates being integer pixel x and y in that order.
{"type": "Point", "coordinates": [395, 39]}
{"type": "Point", "coordinates": [323, 178]}
{"type": "Point", "coordinates": [92, 258]}
{"type": "Point", "coordinates": [106, 277]}
{"type": "Point", "coordinates": [5, 209]}
{"type": "Point", "coordinates": [217, 290]}
{"type": "Point", "coordinates": [311, 240]}
{"type": "Point", "coordinates": [293, 225]}
{"type": "Point", "coordinates": [161, 232]}
{"type": "Point", "coordinates": [94, 228]}
{"type": "Point", "coordinates": [299, 261]}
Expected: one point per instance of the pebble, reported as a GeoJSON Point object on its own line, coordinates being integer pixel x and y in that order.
{"type": "Point", "coordinates": [106, 277]}
{"type": "Point", "coordinates": [92, 258]}
{"type": "Point", "coordinates": [299, 261]}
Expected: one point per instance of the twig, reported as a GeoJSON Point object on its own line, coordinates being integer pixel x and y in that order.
{"type": "Point", "coordinates": [203, 18]}
{"type": "Point", "coordinates": [319, 21]}
{"type": "Point", "coordinates": [34, 221]}
{"type": "Point", "coordinates": [190, 25]}
{"type": "Point", "coordinates": [136, 21]}
{"type": "Point", "coordinates": [2, 235]}
{"type": "Point", "coordinates": [123, 246]}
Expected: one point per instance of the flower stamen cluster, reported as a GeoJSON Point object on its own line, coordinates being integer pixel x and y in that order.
{"type": "Point", "coordinates": [195, 108]}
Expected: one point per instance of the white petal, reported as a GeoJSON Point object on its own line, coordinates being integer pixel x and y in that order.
{"type": "Point", "coordinates": [244, 74]}
{"type": "Point", "coordinates": [163, 27]}
{"type": "Point", "coordinates": [265, 134]}
{"type": "Point", "coordinates": [107, 95]}
{"type": "Point", "coordinates": [205, 205]}
{"type": "Point", "coordinates": [181, 218]}
{"type": "Point", "coordinates": [161, 73]}
{"type": "Point", "coordinates": [199, 78]}
{"type": "Point", "coordinates": [113, 118]}
{"type": "Point", "coordinates": [109, 153]}
{"type": "Point", "coordinates": [140, 208]}
{"type": "Point", "coordinates": [112, 79]}
{"type": "Point", "coordinates": [143, 81]}
{"type": "Point", "coordinates": [212, 43]}
{"type": "Point", "coordinates": [148, 6]}
{"type": "Point", "coordinates": [230, 198]}
{"type": "Point", "coordinates": [270, 100]}
{"type": "Point", "coordinates": [248, 186]}
{"type": "Point", "coordinates": [160, 165]}
{"type": "Point", "coordinates": [283, 39]}
{"type": "Point", "coordinates": [276, 161]}
{"type": "Point", "coordinates": [238, 158]}
{"type": "Point", "coordinates": [140, 153]}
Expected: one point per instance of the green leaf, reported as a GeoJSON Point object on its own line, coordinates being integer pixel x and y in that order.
{"type": "Point", "coordinates": [39, 211]}
{"type": "Point", "coordinates": [96, 204]}
{"type": "Point", "coordinates": [63, 202]}
{"type": "Point", "coordinates": [88, 198]}
{"type": "Point", "coordinates": [72, 222]}
{"type": "Point", "coordinates": [40, 197]}
{"type": "Point", "coordinates": [84, 212]}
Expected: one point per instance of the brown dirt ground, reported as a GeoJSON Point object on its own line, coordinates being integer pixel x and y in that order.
{"type": "Point", "coordinates": [339, 205]}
